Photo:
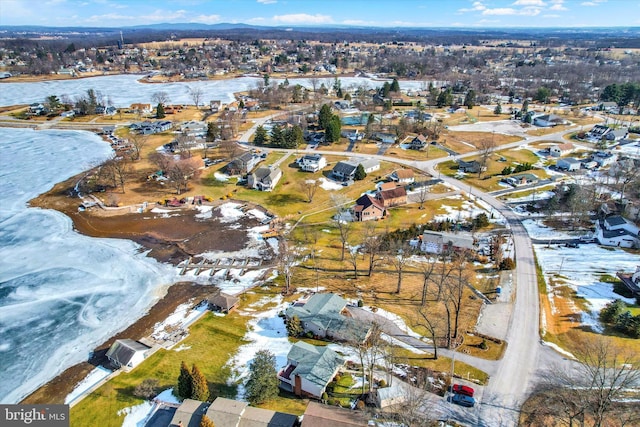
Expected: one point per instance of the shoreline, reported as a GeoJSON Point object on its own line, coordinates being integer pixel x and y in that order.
{"type": "Point", "coordinates": [167, 239]}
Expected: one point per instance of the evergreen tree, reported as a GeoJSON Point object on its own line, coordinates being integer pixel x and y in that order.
{"type": "Point", "coordinates": [332, 133]}
{"type": "Point", "coordinates": [160, 111]}
{"type": "Point", "coordinates": [261, 137]}
{"type": "Point", "coordinates": [213, 131]}
{"type": "Point", "coordinates": [395, 86]}
{"type": "Point", "coordinates": [470, 99]}
{"type": "Point", "coordinates": [498, 109]}
{"type": "Point", "coordinates": [200, 387]}
{"type": "Point", "coordinates": [294, 327]}
{"type": "Point", "coordinates": [277, 137]}
{"type": "Point", "coordinates": [325, 116]}
{"type": "Point", "coordinates": [185, 380]}
{"type": "Point", "coordinates": [360, 173]}
{"type": "Point", "coordinates": [386, 88]}
{"type": "Point", "coordinates": [543, 94]}
{"type": "Point", "coordinates": [241, 105]}
{"type": "Point", "coordinates": [525, 107]}
{"type": "Point", "coordinates": [262, 384]}
{"type": "Point", "coordinates": [206, 422]}
{"type": "Point", "coordinates": [293, 137]}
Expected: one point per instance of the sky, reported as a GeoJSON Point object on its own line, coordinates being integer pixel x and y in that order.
{"type": "Point", "coordinates": [382, 13]}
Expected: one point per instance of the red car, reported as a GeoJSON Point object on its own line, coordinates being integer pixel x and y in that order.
{"type": "Point", "coordinates": [463, 389]}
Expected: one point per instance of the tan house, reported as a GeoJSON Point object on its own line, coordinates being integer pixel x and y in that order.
{"type": "Point", "coordinates": [319, 415]}
{"type": "Point", "coordinates": [560, 150]}
{"type": "Point", "coordinates": [368, 208]}
{"type": "Point", "coordinates": [393, 197]}
{"type": "Point", "coordinates": [403, 176]}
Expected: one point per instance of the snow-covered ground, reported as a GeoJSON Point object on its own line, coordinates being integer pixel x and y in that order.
{"type": "Point", "coordinates": [325, 184]}
{"type": "Point", "coordinates": [93, 378]}
{"type": "Point", "coordinates": [581, 269]}
{"type": "Point", "coordinates": [181, 317]}
{"type": "Point", "coordinates": [537, 230]}
{"type": "Point", "coordinates": [137, 416]}
{"type": "Point", "coordinates": [469, 209]}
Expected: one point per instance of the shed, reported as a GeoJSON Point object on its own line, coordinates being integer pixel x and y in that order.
{"type": "Point", "coordinates": [222, 302]}
{"type": "Point", "coordinates": [127, 353]}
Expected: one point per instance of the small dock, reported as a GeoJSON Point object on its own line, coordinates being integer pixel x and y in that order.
{"type": "Point", "coordinates": [243, 264]}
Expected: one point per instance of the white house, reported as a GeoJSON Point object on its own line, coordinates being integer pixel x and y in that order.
{"type": "Point", "coordinates": [370, 165]}
{"type": "Point", "coordinates": [403, 176]}
{"type": "Point", "coordinates": [313, 162]}
{"type": "Point", "coordinates": [561, 149]}
{"type": "Point", "coordinates": [264, 178]}
{"type": "Point", "coordinates": [548, 120]}
{"type": "Point", "coordinates": [568, 164]}
{"type": "Point", "coordinates": [616, 230]}
{"type": "Point", "coordinates": [435, 242]}
{"type": "Point", "coordinates": [127, 353]}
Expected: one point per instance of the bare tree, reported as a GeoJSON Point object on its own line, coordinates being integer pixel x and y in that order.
{"type": "Point", "coordinates": [161, 160]}
{"type": "Point", "coordinates": [196, 94]}
{"type": "Point", "coordinates": [342, 224]}
{"type": "Point", "coordinates": [369, 352]}
{"type": "Point", "coordinates": [138, 141]}
{"type": "Point", "coordinates": [286, 261]}
{"type": "Point", "coordinates": [399, 256]}
{"type": "Point", "coordinates": [458, 281]}
{"type": "Point", "coordinates": [230, 149]}
{"type": "Point", "coordinates": [422, 193]}
{"type": "Point", "coordinates": [180, 172]}
{"type": "Point", "coordinates": [432, 322]}
{"type": "Point", "coordinates": [116, 170]}
{"type": "Point", "coordinates": [309, 187]}
{"type": "Point", "coordinates": [625, 171]}
{"type": "Point", "coordinates": [486, 147]}
{"type": "Point", "coordinates": [372, 246]}
{"type": "Point", "coordinates": [160, 97]}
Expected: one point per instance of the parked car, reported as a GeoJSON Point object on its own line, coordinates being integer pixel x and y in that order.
{"type": "Point", "coordinates": [463, 400]}
{"type": "Point", "coordinates": [463, 389]}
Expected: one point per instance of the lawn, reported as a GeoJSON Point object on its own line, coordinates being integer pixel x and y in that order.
{"type": "Point", "coordinates": [224, 334]}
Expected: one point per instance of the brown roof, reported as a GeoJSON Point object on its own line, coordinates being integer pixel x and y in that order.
{"type": "Point", "coordinates": [388, 186]}
{"type": "Point", "coordinates": [224, 301]}
{"type": "Point", "coordinates": [393, 193]}
{"type": "Point", "coordinates": [365, 201]}
{"type": "Point", "coordinates": [404, 173]}
{"type": "Point", "coordinates": [318, 415]}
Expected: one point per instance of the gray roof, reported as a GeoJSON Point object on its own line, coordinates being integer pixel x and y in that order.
{"type": "Point", "coordinates": [257, 417]}
{"type": "Point", "coordinates": [122, 351]}
{"type": "Point", "coordinates": [312, 157]}
{"type": "Point", "coordinates": [345, 168]}
{"type": "Point", "coordinates": [318, 304]}
{"type": "Point", "coordinates": [615, 220]}
{"type": "Point", "coordinates": [319, 415]}
{"type": "Point", "coordinates": [369, 163]}
{"type": "Point", "coordinates": [314, 363]}
{"type": "Point", "coordinates": [226, 412]}
{"type": "Point", "coordinates": [190, 413]}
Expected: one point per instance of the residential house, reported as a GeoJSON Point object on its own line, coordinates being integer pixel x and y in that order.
{"type": "Point", "coordinates": [418, 143]}
{"type": "Point", "coordinates": [325, 315]}
{"type": "Point", "coordinates": [264, 178]}
{"type": "Point", "coordinates": [568, 164]}
{"type": "Point", "coordinates": [470, 167]}
{"type": "Point", "coordinates": [616, 230]}
{"type": "Point", "coordinates": [392, 197]}
{"type": "Point", "coordinates": [631, 281]}
{"type": "Point", "coordinates": [435, 242]}
{"type": "Point", "coordinates": [243, 164]}
{"type": "Point", "coordinates": [228, 412]}
{"type": "Point", "coordinates": [609, 106]}
{"type": "Point", "coordinates": [37, 109]}
{"type": "Point", "coordinates": [69, 113]}
{"type": "Point", "coordinates": [344, 170]}
{"type": "Point", "coordinates": [141, 108]}
{"type": "Point", "coordinates": [598, 132]}
{"type": "Point", "coordinates": [222, 302]}
{"type": "Point", "coordinates": [403, 176]}
{"type": "Point", "coordinates": [370, 165]}
{"type": "Point", "coordinates": [385, 138]}
{"type": "Point", "coordinates": [617, 134]}
{"type": "Point", "coordinates": [351, 134]}
{"type": "Point", "coordinates": [189, 414]}
{"type": "Point", "coordinates": [127, 353]}
{"type": "Point", "coordinates": [313, 162]}
{"type": "Point", "coordinates": [395, 394]}
{"type": "Point", "coordinates": [319, 415]}
{"type": "Point", "coordinates": [548, 120]}
{"type": "Point", "coordinates": [309, 369]}
{"type": "Point", "coordinates": [560, 150]}
{"type": "Point", "coordinates": [110, 111]}
{"type": "Point", "coordinates": [368, 208]}
{"type": "Point", "coordinates": [521, 179]}
{"type": "Point", "coordinates": [603, 158]}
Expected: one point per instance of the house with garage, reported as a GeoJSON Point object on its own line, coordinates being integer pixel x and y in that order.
{"type": "Point", "coordinates": [521, 179]}
{"type": "Point", "coordinates": [127, 353]}
{"type": "Point", "coordinates": [470, 167]}
{"type": "Point", "coordinates": [368, 208]}
{"type": "Point", "coordinates": [228, 412]}
{"type": "Point", "coordinates": [568, 164]}
{"type": "Point", "coordinates": [418, 143]}
{"type": "Point", "coordinates": [560, 150]}
{"type": "Point", "coordinates": [435, 242]}
{"type": "Point", "coordinates": [393, 197]}
{"type": "Point", "coordinates": [598, 132]}
{"type": "Point", "coordinates": [617, 134]}
{"type": "Point", "coordinates": [264, 178]}
{"type": "Point", "coordinates": [189, 414]}
{"type": "Point", "coordinates": [319, 415]}
{"type": "Point", "coordinates": [243, 164]}
{"type": "Point", "coordinates": [604, 158]}
{"type": "Point", "coordinates": [369, 165]}
{"type": "Point", "coordinates": [309, 369]}
{"type": "Point", "coordinates": [312, 162]}
{"type": "Point", "coordinates": [616, 230]}
{"type": "Point", "coordinates": [403, 176]}
{"type": "Point", "coordinates": [344, 170]}
{"type": "Point", "coordinates": [548, 120]}
{"type": "Point", "coordinates": [141, 108]}
{"type": "Point", "coordinates": [385, 138]}
{"type": "Point", "coordinates": [326, 316]}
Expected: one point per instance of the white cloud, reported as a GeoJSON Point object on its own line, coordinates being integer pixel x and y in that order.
{"type": "Point", "coordinates": [558, 6]}
{"type": "Point", "coordinates": [303, 18]}
{"type": "Point", "coordinates": [267, 1]}
{"type": "Point", "coordinates": [163, 16]}
{"type": "Point", "coordinates": [476, 6]}
{"type": "Point", "coordinates": [593, 3]}
{"type": "Point", "coordinates": [540, 3]}
{"type": "Point", "coordinates": [500, 11]}
{"type": "Point", "coordinates": [109, 17]}
{"type": "Point", "coordinates": [206, 19]}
